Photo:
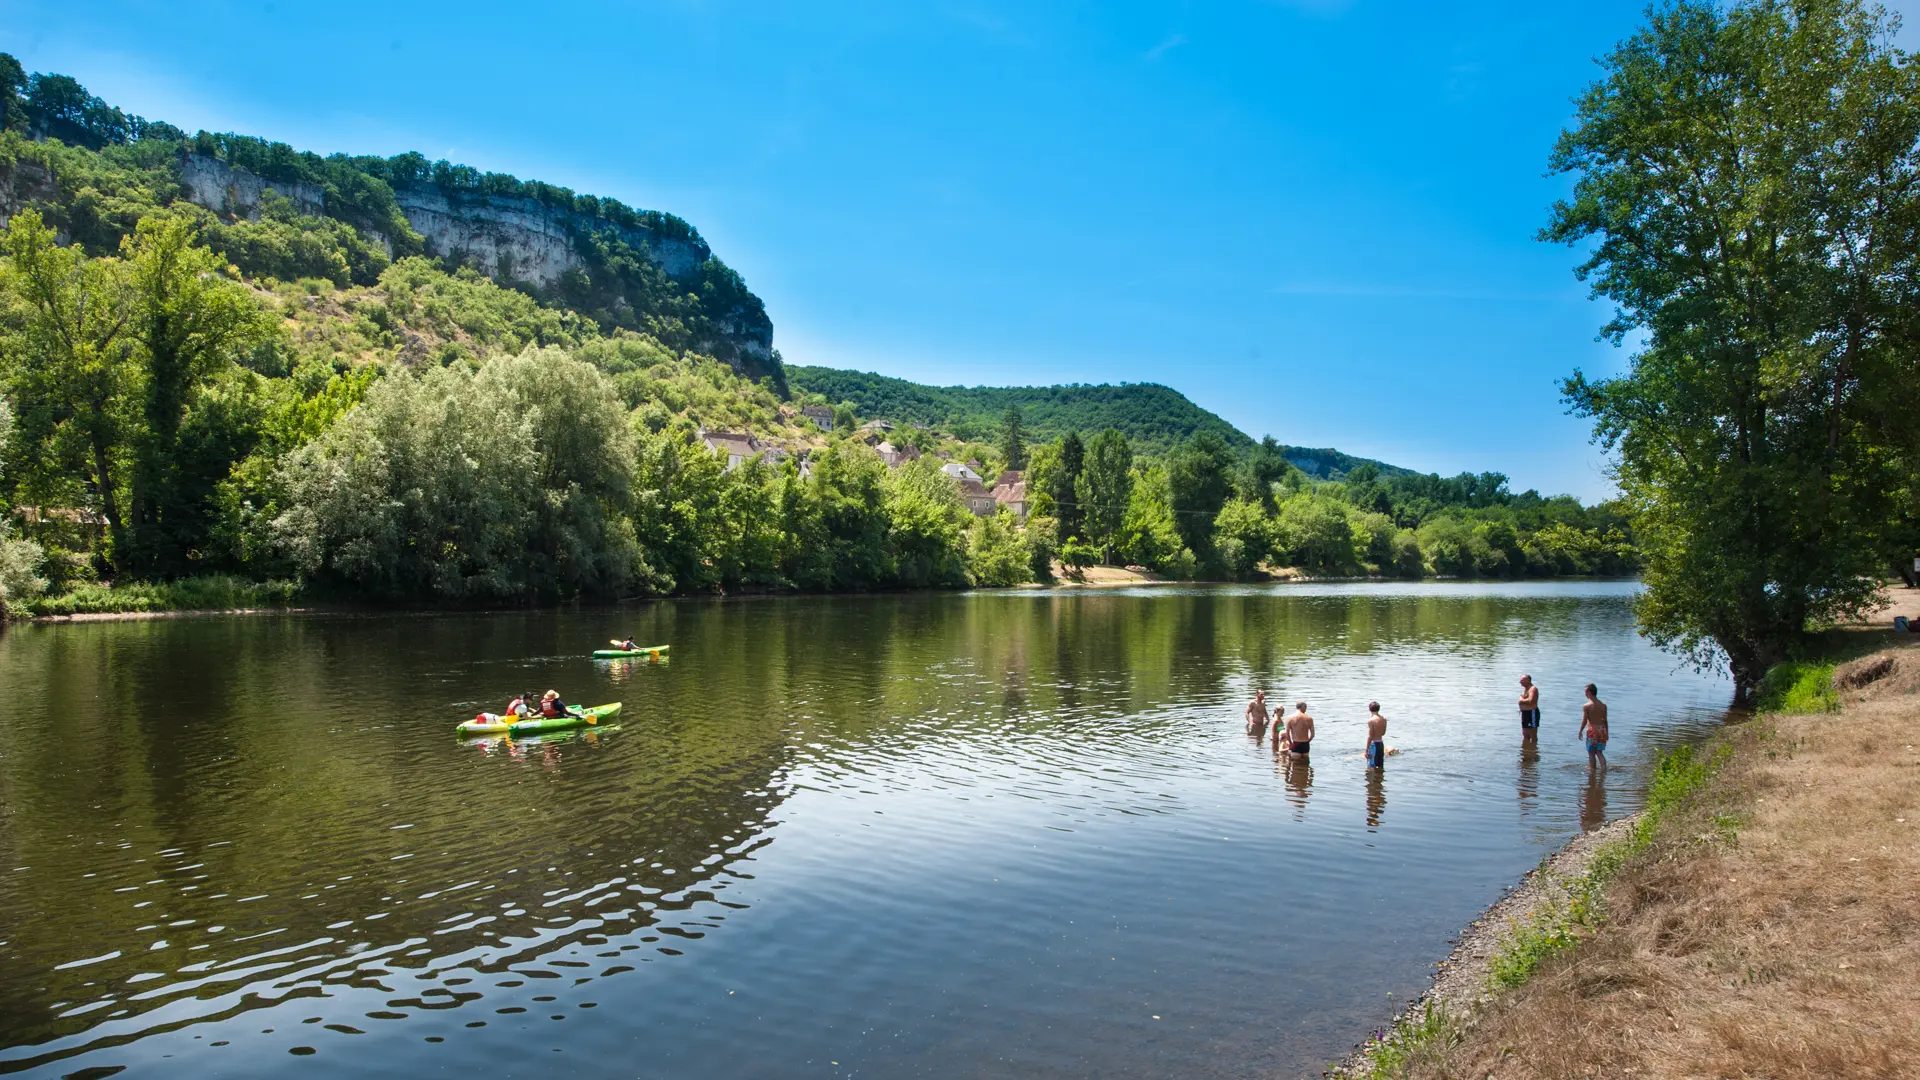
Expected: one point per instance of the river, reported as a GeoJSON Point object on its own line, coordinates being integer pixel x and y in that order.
{"type": "Point", "coordinates": [1002, 833]}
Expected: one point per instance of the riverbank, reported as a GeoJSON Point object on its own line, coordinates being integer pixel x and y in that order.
{"type": "Point", "coordinates": [1766, 928]}
{"type": "Point", "coordinates": [217, 594]}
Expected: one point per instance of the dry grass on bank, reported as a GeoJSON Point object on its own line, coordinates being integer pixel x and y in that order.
{"type": "Point", "coordinates": [1787, 951]}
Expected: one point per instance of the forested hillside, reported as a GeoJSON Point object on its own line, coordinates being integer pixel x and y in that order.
{"type": "Point", "coordinates": [230, 372]}
{"type": "Point", "coordinates": [273, 211]}
{"type": "Point", "coordinates": [1153, 417]}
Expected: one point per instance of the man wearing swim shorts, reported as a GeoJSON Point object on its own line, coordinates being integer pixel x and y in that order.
{"type": "Point", "coordinates": [1529, 708]}
{"type": "Point", "coordinates": [1376, 737]}
{"type": "Point", "coordinates": [1299, 730]}
{"type": "Point", "coordinates": [1593, 727]}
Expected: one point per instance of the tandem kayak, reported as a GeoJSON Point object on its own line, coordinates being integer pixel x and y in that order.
{"type": "Point", "coordinates": [645, 650]}
{"type": "Point", "coordinates": [488, 724]}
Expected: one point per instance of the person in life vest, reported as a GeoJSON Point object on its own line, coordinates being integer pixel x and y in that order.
{"type": "Point", "coordinates": [629, 646]}
{"type": "Point", "coordinates": [519, 706]}
{"type": "Point", "coordinates": [551, 705]}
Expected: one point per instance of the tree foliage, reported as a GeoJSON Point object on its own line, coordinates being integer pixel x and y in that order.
{"type": "Point", "coordinates": [1746, 176]}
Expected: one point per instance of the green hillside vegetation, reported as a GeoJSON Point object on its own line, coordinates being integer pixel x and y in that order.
{"type": "Point", "coordinates": [1153, 417]}
{"type": "Point", "coordinates": [1203, 511]}
{"type": "Point", "coordinates": [98, 170]}
{"type": "Point", "coordinates": [198, 408]}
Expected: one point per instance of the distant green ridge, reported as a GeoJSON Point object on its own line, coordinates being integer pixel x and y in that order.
{"type": "Point", "coordinates": [1152, 416]}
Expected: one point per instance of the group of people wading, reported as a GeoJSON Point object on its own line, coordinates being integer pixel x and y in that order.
{"type": "Point", "coordinates": [1293, 733]}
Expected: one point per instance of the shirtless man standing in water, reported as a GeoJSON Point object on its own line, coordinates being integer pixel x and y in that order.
{"type": "Point", "coordinates": [1298, 729]}
{"type": "Point", "coordinates": [1257, 714]}
{"type": "Point", "coordinates": [1376, 737]}
{"type": "Point", "coordinates": [1593, 727]}
{"type": "Point", "coordinates": [1529, 709]}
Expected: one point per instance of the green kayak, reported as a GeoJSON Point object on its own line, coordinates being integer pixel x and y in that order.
{"type": "Point", "coordinates": [615, 654]}
{"type": "Point", "coordinates": [489, 724]}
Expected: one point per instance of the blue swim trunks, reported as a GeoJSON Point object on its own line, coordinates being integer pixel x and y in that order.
{"type": "Point", "coordinates": [1596, 746]}
{"type": "Point", "coordinates": [1529, 718]}
{"type": "Point", "coordinates": [1376, 755]}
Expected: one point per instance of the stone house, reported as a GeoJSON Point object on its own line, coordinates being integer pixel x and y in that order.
{"type": "Point", "coordinates": [736, 448]}
{"type": "Point", "coordinates": [1012, 495]}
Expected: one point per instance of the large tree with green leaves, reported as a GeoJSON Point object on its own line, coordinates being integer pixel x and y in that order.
{"type": "Point", "coordinates": [1070, 461]}
{"type": "Point", "coordinates": [1746, 175]}
{"type": "Point", "coordinates": [1105, 486]}
{"type": "Point", "coordinates": [68, 358]}
{"type": "Point", "coordinates": [1199, 478]}
{"type": "Point", "coordinates": [192, 324]}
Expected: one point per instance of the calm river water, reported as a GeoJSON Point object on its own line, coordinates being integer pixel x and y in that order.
{"type": "Point", "coordinates": [988, 834]}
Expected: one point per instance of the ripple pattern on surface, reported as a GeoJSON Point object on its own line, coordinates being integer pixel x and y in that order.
{"type": "Point", "coordinates": [1007, 832]}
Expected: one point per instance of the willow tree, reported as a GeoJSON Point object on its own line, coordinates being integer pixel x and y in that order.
{"type": "Point", "coordinates": [1746, 180]}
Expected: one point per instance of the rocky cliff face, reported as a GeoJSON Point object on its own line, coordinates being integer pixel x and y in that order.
{"type": "Point", "coordinates": [512, 240]}
{"type": "Point", "coordinates": [209, 182]}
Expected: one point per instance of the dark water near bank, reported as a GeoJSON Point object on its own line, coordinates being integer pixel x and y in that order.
{"type": "Point", "coordinates": [993, 834]}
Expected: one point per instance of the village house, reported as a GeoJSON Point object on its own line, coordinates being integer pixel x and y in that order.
{"type": "Point", "coordinates": [819, 414]}
{"type": "Point", "coordinates": [962, 473]}
{"type": "Point", "coordinates": [1011, 492]}
{"type": "Point", "coordinates": [977, 497]}
{"type": "Point", "coordinates": [736, 448]}
{"type": "Point", "coordinates": [894, 457]}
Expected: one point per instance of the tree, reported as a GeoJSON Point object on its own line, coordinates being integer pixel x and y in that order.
{"type": "Point", "coordinates": [1262, 469]}
{"type": "Point", "coordinates": [997, 552]}
{"type": "Point", "coordinates": [1749, 175]}
{"type": "Point", "coordinates": [1105, 487]}
{"type": "Point", "coordinates": [1064, 486]}
{"type": "Point", "coordinates": [1199, 473]}
{"type": "Point", "coordinates": [926, 525]}
{"type": "Point", "coordinates": [1244, 534]}
{"type": "Point", "coordinates": [191, 323]}
{"type": "Point", "coordinates": [70, 362]}
{"type": "Point", "coordinates": [13, 88]}
{"type": "Point", "coordinates": [1013, 441]}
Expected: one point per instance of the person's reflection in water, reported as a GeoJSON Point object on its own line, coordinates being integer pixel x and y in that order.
{"type": "Point", "coordinates": [1376, 797]}
{"type": "Point", "coordinates": [1528, 784]}
{"type": "Point", "coordinates": [1593, 801]}
{"type": "Point", "coordinates": [1298, 771]}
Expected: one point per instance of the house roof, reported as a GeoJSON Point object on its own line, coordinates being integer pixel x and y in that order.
{"type": "Point", "coordinates": [1010, 493]}
{"type": "Point", "coordinates": [731, 443]}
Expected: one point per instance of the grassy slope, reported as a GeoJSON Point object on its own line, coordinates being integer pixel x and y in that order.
{"type": "Point", "coordinates": [1153, 416]}
{"type": "Point", "coordinates": [1767, 930]}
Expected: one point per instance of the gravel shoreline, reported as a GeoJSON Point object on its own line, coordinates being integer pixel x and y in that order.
{"type": "Point", "coordinates": [1460, 984]}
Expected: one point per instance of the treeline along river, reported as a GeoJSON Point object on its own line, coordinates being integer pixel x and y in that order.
{"type": "Point", "coordinates": [998, 833]}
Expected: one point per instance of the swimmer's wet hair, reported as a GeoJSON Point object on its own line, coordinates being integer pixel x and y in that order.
{"type": "Point", "coordinates": [1373, 706]}
{"type": "Point", "coordinates": [1301, 705]}
{"type": "Point", "coordinates": [1592, 689]}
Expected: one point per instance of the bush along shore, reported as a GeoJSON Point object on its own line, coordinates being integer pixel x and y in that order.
{"type": "Point", "coordinates": [218, 593]}
{"type": "Point", "coordinates": [1756, 919]}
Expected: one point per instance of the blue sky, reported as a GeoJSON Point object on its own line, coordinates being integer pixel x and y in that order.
{"type": "Point", "coordinates": [1315, 218]}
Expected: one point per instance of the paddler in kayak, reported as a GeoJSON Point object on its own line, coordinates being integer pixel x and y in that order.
{"type": "Point", "coordinates": [520, 707]}
{"type": "Point", "coordinates": [551, 706]}
{"type": "Point", "coordinates": [627, 646]}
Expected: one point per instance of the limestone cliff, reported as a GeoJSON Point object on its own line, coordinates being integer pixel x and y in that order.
{"type": "Point", "coordinates": [517, 241]}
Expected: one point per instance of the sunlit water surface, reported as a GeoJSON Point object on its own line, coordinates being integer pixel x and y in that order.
{"type": "Point", "coordinates": [989, 834]}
